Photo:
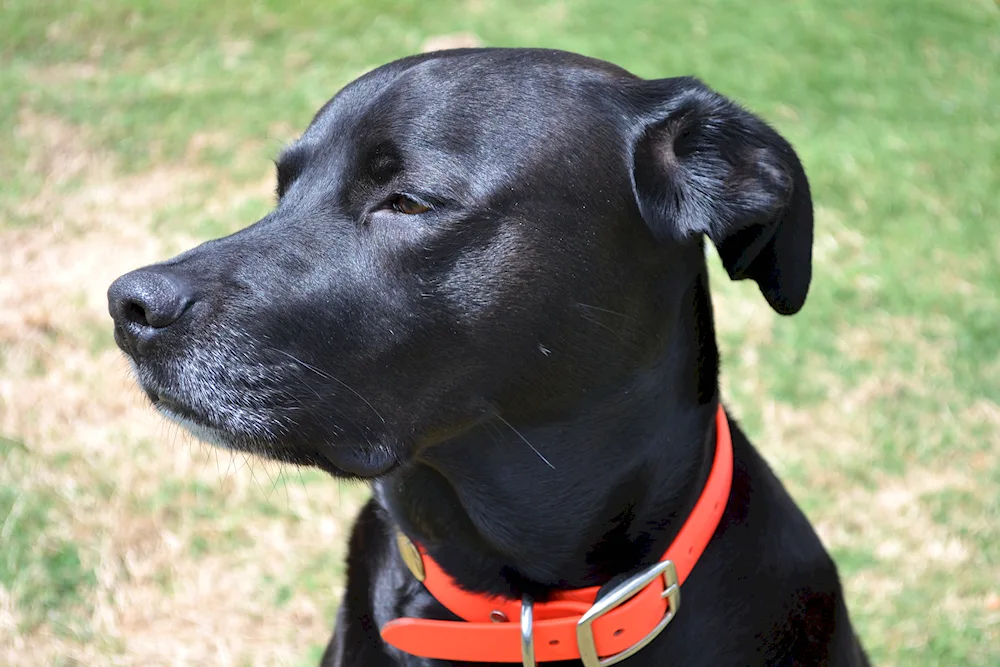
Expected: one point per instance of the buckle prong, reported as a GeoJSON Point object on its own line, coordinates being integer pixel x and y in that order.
{"type": "Point", "coordinates": [618, 596]}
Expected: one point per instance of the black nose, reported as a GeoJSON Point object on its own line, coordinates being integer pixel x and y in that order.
{"type": "Point", "coordinates": [143, 303]}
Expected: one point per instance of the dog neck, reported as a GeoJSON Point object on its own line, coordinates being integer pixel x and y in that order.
{"type": "Point", "coordinates": [574, 503]}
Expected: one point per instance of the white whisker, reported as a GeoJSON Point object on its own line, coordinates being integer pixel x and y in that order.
{"type": "Point", "coordinates": [518, 433]}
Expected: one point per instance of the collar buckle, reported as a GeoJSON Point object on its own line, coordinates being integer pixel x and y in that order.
{"type": "Point", "coordinates": [527, 631]}
{"type": "Point", "coordinates": [618, 596]}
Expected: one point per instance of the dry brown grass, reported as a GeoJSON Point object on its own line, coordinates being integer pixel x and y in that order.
{"type": "Point", "coordinates": [66, 393]}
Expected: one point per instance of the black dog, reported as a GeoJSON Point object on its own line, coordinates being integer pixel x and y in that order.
{"type": "Point", "coordinates": [484, 288]}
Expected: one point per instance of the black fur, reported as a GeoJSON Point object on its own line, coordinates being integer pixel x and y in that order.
{"type": "Point", "coordinates": [524, 364]}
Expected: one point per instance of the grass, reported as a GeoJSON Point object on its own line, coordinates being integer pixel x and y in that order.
{"type": "Point", "coordinates": [138, 128]}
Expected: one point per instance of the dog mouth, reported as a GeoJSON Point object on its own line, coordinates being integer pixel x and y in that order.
{"type": "Point", "coordinates": [169, 405]}
{"type": "Point", "coordinates": [173, 407]}
{"type": "Point", "coordinates": [189, 419]}
{"type": "Point", "coordinates": [341, 460]}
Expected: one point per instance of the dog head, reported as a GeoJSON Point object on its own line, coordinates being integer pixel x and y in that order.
{"type": "Point", "coordinates": [460, 235]}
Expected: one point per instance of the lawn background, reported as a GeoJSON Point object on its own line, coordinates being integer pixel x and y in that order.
{"type": "Point", "coordinates": [130, 130]}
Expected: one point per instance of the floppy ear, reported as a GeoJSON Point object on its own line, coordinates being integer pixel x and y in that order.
{"type": "Point", "coordinates": [703, 165]}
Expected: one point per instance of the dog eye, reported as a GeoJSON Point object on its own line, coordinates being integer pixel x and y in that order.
{"type": "Point", "coordinates": [408, 205]}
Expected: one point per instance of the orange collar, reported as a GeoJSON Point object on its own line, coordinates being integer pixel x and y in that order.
{"type": "Point", "coordinates": [573, 624]}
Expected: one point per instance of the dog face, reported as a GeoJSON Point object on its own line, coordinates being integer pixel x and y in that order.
{"type": "Point", "coordinates": [457, 236]}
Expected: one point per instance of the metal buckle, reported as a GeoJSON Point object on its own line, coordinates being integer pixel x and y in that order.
{"type": "Point", "coordinates": [527, 631]}
{"type": "Point", "coordinates": [620, 594]}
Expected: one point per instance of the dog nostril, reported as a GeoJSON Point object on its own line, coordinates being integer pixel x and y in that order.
{"type": "Point", "coordinates": [135, 313]}
{"type": "Point", "coordinates": [148, 299]}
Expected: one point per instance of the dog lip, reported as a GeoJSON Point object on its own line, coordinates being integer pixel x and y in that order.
{"type": "Point", "coordinates": [171, 405]}
{"type": "Point", "coordinates": [168, 404]}
{"type": "Point", "coordinates": [194, 423]}
{"type": "Point", "coordinates": [198, 428]}
{"type": "Point", "coordinates": [122, 341]}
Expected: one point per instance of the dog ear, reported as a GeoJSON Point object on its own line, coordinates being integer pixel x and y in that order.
{"type": "Point", "coordinates": [703, 165]}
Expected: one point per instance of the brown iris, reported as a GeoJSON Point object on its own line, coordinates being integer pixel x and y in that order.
{"type": "Point", "coordinates": [404, 204]}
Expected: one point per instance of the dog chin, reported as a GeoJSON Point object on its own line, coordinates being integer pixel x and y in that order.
{"type": "Point", "coordinates": [360, 463]}
{"type": "Point", "coordinates": [348, 461]}
{"type": "Point", "coordinates": [209, 434]}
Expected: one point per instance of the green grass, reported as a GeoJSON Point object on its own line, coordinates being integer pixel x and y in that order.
{"type": "Point", "coordinates": [879, 404]}
{"type": "Point", "coordinates": [45, 571]}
